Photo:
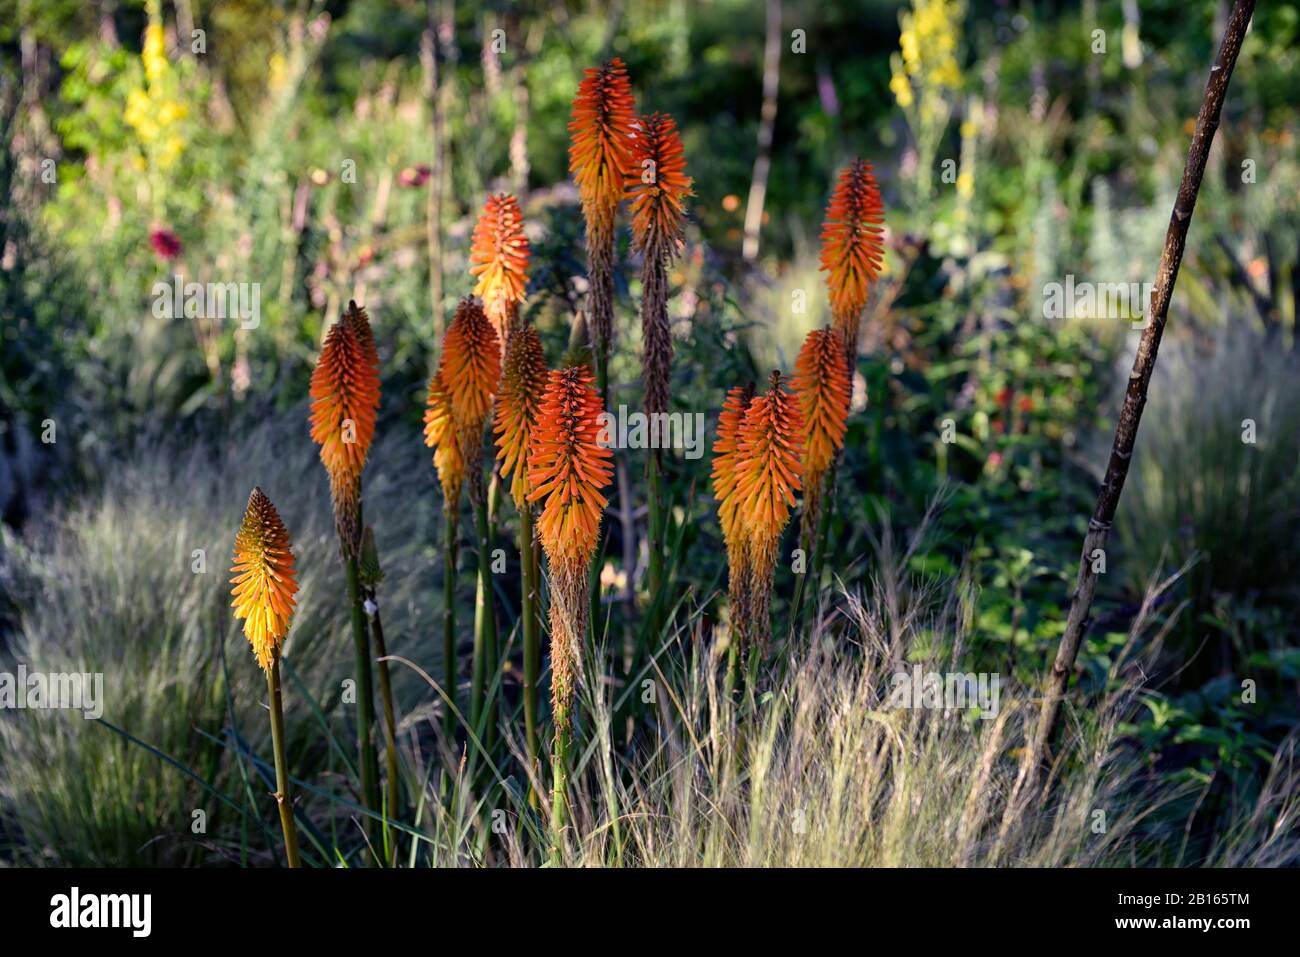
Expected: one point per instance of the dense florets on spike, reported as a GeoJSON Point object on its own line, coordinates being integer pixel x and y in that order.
{"type": "Point", "coordinates": [344, 407]}
{"type": "Point", "coordinates": [658, 186]}
{"type": "Point", "coordinates": [471, 363]}
{"type": "Point", "coordinates": [770, 469]}
{"type": "Point", "coordinates": [600, 128]}
{"type": "Point", "coordinates": [599, 152]}
{"type": "Point", "coordinates": [264, 583]}
{"type": "Point", "coordinates": [440, 435]}
{"type": "Point", "coordinates": [568, 466]}
{"type": "Point", "coordinates": [499, 255]}
{"type": "Point", "coordinates": [726, 462]}
{"type": "Point", "coordinates": [345, 394]}
{"type": "Point", "coordinates": [657, 189]}
{"type": "Point", "coordinates": [821, 381]}
{"type": "Point", "coordinates": [518, 406]}
{"type": "Point", "coordinates": [852, 245]}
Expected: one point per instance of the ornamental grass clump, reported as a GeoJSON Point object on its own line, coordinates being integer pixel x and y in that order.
{"type": "Point", "coordinates": [263, 596]}
{"type": "Point", "coordinates": [499, 257]}
{"type": "Point", "coordinates": [769, 471]}
{"type": "Point", "coordinates": [657, 190]}
{"type": "Point", "coordinates": [344, 406]}
{"type": "Point", "coordinates": [518, 408]}
{"type": "Point", "coordinates": [567, 468]}
{"type": "Point", "coordinates": [600, 150]}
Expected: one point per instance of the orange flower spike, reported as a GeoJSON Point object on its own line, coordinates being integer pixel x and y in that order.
{"type": "Point", "coordinates": [345, 397]}
{"type": "Point", "coordinates": [568, 466]}
{"type": "Point", "coordinates": [517, 408]}
{"type": "Point", "coordinates": [499, 255]}
{"type": "Point", "coordinates": [658, 186]}
{"type": "Point", "coordinates": [821, 381]}
{"type": "Point", "coordinates": [471, 364]}
{"type": "Point", "coordinates": [770, 470]}
{"type": "Point", "coordinates": [852, 245]}
{"type": "Point", "coordinates": [440, 435]}
{"type": "Point", "coordinates": [726, 461]}
{"type": "Point", "coordinates": [264, 583]}
{"type": "Point", "coordinates": [600, 128]}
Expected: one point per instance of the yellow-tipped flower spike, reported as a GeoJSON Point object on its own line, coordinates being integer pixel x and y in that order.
{"type": "Point", "coordinates": [440, 435]}
{"type": "Point", "coordinates": [264, 583]}
{"type": "Point", "coordinates": [769, 472]}
{"type": "Point", "coordinates": [517, 408]}
{"type": "Point", "coordinates": [500, 261]}
{"type": "Point", "coordinates": [726, 476]}
{"type": "Point", "coordinates": [821, 381]}
{"type": "Point", "coordinates": [471, 371]}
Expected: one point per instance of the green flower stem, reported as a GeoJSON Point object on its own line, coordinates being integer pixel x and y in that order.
{"type": "Point", "coordinates": [449, 663]}
{"type": "Point", "coordinates": [390, 726]}
{"type": "Point", "coordinates": [283, 799]}
{"type": "Point", "coordinates": [532, 628]}
{"type": "Point", "coordinates": [559, 793]}
{"type": "Point", "coordinates": [365, 697]}
{"type": "Point", "coordinates": [656, 533]}
{"type": "Point", "coordinates": [485, 628]}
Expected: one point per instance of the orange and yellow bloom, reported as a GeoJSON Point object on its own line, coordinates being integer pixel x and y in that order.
{"type": "Point", "coordinates": [264, 582]}
{"type": "Point", "coordinates": [518, 406]}
{"type": "Point", "coordinates": [600, 148]}
{"type": "Point", "coordinates": [499, 257]}
{"type": "Point", "coordinates": [568, 468]}
{"type": "Point", "coordinates": [600, 151]}
{"type": "Point", "coordinates": [852, 246]}
{"type": "Point", "coordinates": [821, 381]}
{"type": "Point", "coordinates": [658, 186]}
{"type": "Point", "coordinates": [344, 407]}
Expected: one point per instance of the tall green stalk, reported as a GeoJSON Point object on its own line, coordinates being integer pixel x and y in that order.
{"type": "Point", "coordinates": [283, 799]}
{"type": "Point", "coordinates": [559, 793]}
{"type": "Point", "coordinates": [532, 628]}
{"type": "Point", "coordinates": [390, 728]}
{"type": "Point", "coordinates": [656, 533]}
{"type": "Point", "coordinates": [449, 663]}
{"type": "Point", "coordinates": [817, 559]}
{"type": "Point", "coordinates": [365, 697]}
{"type": "Point", "coordinates": [485, 663]}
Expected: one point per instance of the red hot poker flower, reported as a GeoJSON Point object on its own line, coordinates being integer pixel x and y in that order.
{"type": "Point", "coordinates": [500, 261]}
{"type": "Point", "coordinates": [264, 582]}
{"type": "Point", "coordinates": [852, 246]}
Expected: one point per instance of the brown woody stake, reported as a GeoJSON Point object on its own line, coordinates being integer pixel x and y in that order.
{"type": "Point", "coordinates": [1121, 453]}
